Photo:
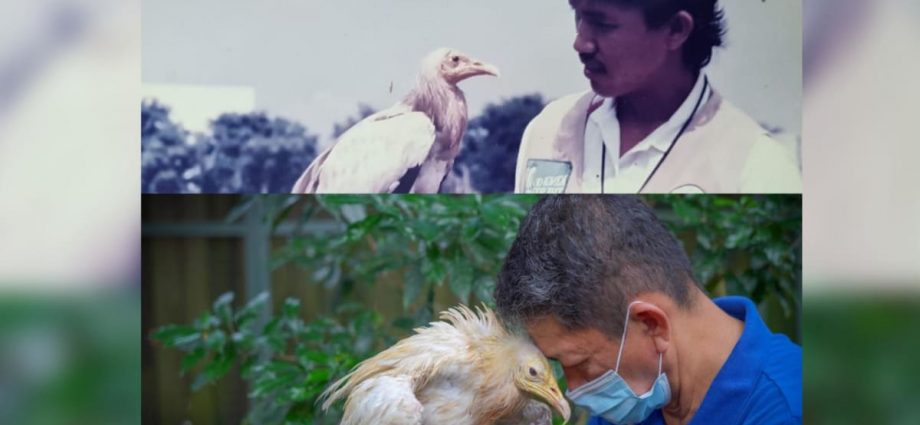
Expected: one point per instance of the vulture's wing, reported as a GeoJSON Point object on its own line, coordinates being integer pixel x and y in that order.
{"type": "Point", "coordinates": [385, 400]}
{"type": "Point", "coordinates": [308, 180]}
{"type": "Point", "coordinates": [534, 413]}
{"type": "Point", "coordinates": [372, 156]}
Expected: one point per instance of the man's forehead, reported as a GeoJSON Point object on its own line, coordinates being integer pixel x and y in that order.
{"type": "Point", "coordinates": [555, 340]}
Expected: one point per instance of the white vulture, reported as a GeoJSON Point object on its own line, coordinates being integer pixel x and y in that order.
{"type": "Point", "coordinates": [409, 147]}
{"type": "Point", "coordinates": [467, 370]}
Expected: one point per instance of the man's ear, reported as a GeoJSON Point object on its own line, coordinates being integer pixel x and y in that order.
{"type": "Point", "coordinates": [679, 29]}
{"type": "Point", "coordinates": [655, 323]}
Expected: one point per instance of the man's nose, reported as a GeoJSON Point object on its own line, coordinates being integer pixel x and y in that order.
{"type": "Point", "coordinates": [583, 44]}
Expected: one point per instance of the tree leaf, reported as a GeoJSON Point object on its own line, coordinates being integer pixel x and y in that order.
{"type": "Point", "coordinates": [216, 340]}
{"type": "Point", "coordinates": [173, 335]}
{"type": "Point", "coordinates": [433, 270]}
{"type": "Point", "coordinates": [461, 280]}
{"type": "Point", "coordinates": [251, 309]}
{"type": "Point", "coordinates": [357, 230]}
{"type": "Point", "coordinates": [291, 308]}
{"type": "Point", "coordinates": [738, 238]}
{"type": "Point", "coordinates": [223, 309]}
{"type": "Point", "coordinates": [414, 283]}
{"type": "Point", "coordinates": [318, 375]}
{"type": "Point", "coordinates": [191, 360]}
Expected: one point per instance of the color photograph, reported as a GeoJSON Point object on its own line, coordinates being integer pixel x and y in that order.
{"type": "Point", "coordinates": [473, 309]}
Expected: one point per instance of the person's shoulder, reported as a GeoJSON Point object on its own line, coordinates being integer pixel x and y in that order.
{"type": "Point", "coordinates": [757, 136]}
{"type": "Point", "coordinates": [777, 395]}
{"type": "Point", "coordinates": [784, 368]}
{"type": "Point", "coordinates": [550, 118]}
{"type": "Point", "coordinates": [560, 106]}
{"type": "Point", "coordinates": [771, 167]}
{"type": "Point", "coordinates": [739, 118]}
{"type": "Point", "coordinates": [770, 163]}
{"type": "Point", "coordinates": [769, 404]}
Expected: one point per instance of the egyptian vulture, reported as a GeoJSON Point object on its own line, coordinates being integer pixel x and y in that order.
{"type": "Point", "coordinates": [465, 370]}
{"type": "Point", "coordinates": [409, 147]}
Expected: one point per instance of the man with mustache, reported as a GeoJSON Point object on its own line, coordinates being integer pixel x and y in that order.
{"type": "Point", "coordinates": [652, 121]}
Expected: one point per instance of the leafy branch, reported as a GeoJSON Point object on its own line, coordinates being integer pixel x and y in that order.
{"type": "Point", "coordinates": [747, 245]}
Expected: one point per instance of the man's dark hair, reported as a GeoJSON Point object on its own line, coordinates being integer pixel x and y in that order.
{"type": "Point", "coordinates": [580, 258]}
{"type": "Point", "coordinates": [708, 25]}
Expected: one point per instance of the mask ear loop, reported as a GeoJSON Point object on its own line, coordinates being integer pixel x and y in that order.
{"type": "Point", "coordinates": [623, 338]}
{"type": "Point", "coordinates": [623, 341]}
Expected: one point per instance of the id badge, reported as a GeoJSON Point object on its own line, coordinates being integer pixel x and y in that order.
{"type": "Point", "coordinates": [545, 176]}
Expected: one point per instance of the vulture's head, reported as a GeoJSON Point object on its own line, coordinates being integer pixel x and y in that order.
{"type": "Point", "coordinates": [454, 66]}
{"type": "Point", "coordinates": [533, 375]}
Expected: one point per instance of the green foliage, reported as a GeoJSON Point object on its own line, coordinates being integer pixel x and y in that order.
{"type": "Point", "coordinates": [862, 348]}
{"type": "Point", "coordinates": [71, 359]}
{"type": "Point", "coordinates": [746, 245]}
{"type": "Point", "coordinates": [427, 241]}
{"type": "Point", "coordinates": [287, 361]}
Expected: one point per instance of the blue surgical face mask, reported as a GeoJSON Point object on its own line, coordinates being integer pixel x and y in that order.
{"type": "Point", "coordinates": [609, 397]}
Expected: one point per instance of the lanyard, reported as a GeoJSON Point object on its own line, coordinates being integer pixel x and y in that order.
{"type": "Point", "coordinates": [666, 152]}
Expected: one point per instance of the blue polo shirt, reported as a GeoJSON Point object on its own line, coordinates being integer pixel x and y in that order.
{"type": "Point", "coordinates": [760, 382]}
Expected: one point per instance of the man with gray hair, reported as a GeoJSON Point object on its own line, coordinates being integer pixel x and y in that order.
{"type": "Point", "coordinates": [605, 289]}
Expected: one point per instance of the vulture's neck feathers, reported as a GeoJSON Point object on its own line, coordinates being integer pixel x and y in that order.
{"type": "Point", "coordinates": [444, 103]}
{"type": "Point", "coordinates": [496, 357]}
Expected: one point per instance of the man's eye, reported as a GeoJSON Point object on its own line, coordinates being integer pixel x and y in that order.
{"type": "Point", "coordinates": [603, 26]}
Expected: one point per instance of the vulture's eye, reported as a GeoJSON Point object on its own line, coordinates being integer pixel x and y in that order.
{"type": "Point", "coordinates": [456, 59]}
{"type": "Point", "coordinates": [533, 372]}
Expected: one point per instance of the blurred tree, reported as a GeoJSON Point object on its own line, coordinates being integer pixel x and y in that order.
{"type": "Point", "coordinates": [166, 154]}
{"type": "Point", "coordinates": [490, 145]}
{"type": "Point", "coordinates": [252, 153]}
{"type": "Point", "coordinates": [246, 153]}
{"type": "Point", "coordinates": [70, 359]}
{"type": "Point", "coordinates": [862, 348]}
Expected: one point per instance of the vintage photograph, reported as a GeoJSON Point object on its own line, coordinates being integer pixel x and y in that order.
{"type": "Point", "coordinates": [471, 96]}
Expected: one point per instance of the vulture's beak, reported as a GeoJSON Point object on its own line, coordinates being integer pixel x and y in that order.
{"type": "Point", "coordinates": [478, 68]}
{"type": "Point", "coordinates": [561, 406]}
{"type": "Point", "coordinates": [550, 394]}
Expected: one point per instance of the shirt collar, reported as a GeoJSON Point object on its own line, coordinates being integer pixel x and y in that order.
{"type": "Point", "coordinates": [738, 376]}
{"type": "Point", "coordinates": [605, 118]}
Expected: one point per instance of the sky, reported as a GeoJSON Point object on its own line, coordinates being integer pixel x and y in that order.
{"type": "Point", "coordinates": [315, 61]}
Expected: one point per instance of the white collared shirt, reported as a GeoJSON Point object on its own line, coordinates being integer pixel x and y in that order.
{"type": "Point", "coordinates": [628, 172]}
